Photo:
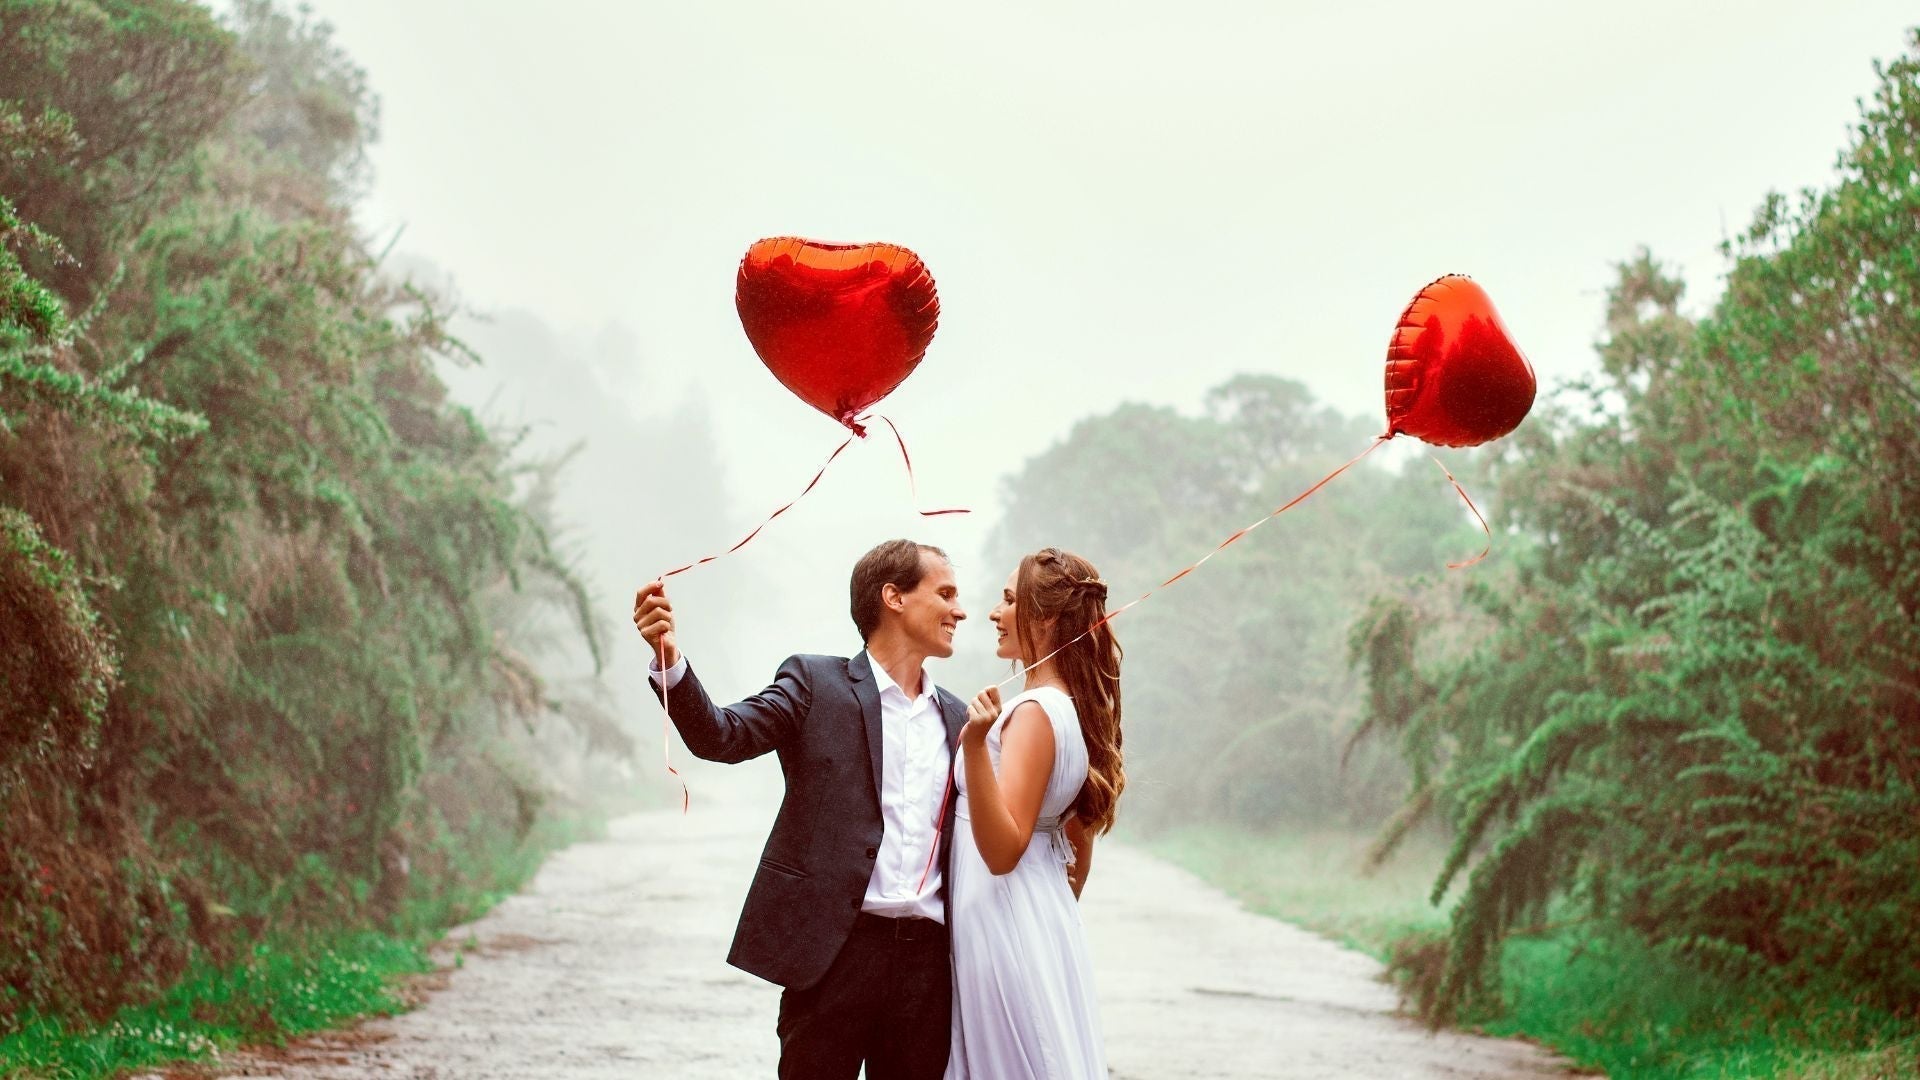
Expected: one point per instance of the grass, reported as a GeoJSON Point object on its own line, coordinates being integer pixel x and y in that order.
{"type": "Point", "coordinates": [277, 993]}
{"type": "Point", "coordinates": [288, 988]}
{"type": "Point", "coordinates": [1615, 1004]}
{"type": "Point", "coordinates": [1604, 1000]}
{"type": "Point", "coordinates": [1316, 879]}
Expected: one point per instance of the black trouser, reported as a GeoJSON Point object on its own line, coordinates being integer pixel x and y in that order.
{"type": "Point", "coordinates": [886, 1001]}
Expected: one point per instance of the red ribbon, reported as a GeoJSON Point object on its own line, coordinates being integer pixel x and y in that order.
{"type": "Point", "coordinates": [939, 823]}
{"type": "Point", "coordinates": [1464, 497]}
{"type": "Point", "coordinates": [1222, 546]}
{"type": "Point", "coordinates": [859, 432]}
{"type": "Point", "coordinates": [1290, 504]}
{"type": "Point", "coordinates": [770, 517]}
{"type": "Point", "coordinates": [913, 490]}
{"type": "Point", "coordinates": [666, 712]}
{"type": "Point", "coordinates": [666, 732]}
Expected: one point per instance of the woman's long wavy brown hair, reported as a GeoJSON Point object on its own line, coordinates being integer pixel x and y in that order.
{"type": "Point", "coordinates": [1057, 595]}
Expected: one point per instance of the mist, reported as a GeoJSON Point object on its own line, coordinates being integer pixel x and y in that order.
{"type": "Point", "coordinates": [1116, 205]}
{"type": "Point", "coordinates": [359, 361]}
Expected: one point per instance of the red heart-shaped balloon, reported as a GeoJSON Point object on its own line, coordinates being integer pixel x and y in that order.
{"type": "Point", "coordinates": [840, 325]}
{"type": "Point", "coordinates": [1454, 375]}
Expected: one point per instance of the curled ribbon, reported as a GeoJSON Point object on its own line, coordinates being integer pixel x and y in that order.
{"type": "Point", "coordinates": [859, 432]}
{"type": "Point", "coordinates": [1464, 497]}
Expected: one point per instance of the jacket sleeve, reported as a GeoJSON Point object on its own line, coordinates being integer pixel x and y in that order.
{"type": "Point", "coordinates": [744, 730]}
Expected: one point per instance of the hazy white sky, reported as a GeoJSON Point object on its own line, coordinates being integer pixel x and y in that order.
{"type": "Point", "coordinates": [1118, 200]}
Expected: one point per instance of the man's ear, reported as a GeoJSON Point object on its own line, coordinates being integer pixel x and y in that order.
{"type": "Point", "coordinates": [892, 598]}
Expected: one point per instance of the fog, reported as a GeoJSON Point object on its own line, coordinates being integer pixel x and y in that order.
{"type": "Point", "coordinates": [1119, 202]}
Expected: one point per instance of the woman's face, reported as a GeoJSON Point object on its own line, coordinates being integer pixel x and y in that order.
{"type": "Point", "coordinates": [1002, 618]}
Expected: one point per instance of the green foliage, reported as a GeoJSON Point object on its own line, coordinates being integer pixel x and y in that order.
{"type": "Point", "coordinates": [259, 578]}
{"type": "Point", "coordinates": [282, 987]}
{"type": "Point", "coordinates": [140, 83]}
{"type": "Point", "coordinates": [314, 115]}
{"type": "Point", "coordinates": [59, 665]}
{"type": "Point", "coordinates": [30, 381]}
{"type": "Point", "coordinates": [1323, 879]}
{"type": "Point", "coordinates": [1690, 714]}
{"type": "Point", "coordinates": [28, 311]}
{"type": "Point", "coordinates": [1611, 1002]}
{"type": "Point", "coordinates": [274, 993]}
{"type": "Point", "coordinates": [1596, 993]}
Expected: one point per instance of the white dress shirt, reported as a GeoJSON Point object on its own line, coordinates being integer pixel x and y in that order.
{"type": "Point", "coordinates": [914, 764]}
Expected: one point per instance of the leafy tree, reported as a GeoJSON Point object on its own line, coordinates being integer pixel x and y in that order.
{"type": "Point", "coordinates": [139, 83]}
{"type": "Point", "coordinates": [1238, 697]}
{"type": "Point", "coordinates": [252, 558]}
{"type": "Point", "coordinates": [1691, 713]}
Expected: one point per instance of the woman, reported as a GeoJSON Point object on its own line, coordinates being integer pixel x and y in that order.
{"type": "Point", "coordinates": [1039, 777]}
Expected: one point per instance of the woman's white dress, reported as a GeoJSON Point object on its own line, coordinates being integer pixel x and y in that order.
{"type": "Point", "coordinates": [1023, 1002]}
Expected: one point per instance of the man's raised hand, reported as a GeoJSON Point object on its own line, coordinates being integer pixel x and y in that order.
{"type": "Point", "coordinates": [653, 617]}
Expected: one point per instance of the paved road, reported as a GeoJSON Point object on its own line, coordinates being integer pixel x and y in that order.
{"type": "Point", "coordinates": [611, 965]}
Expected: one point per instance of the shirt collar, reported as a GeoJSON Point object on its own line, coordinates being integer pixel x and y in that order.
{"type": "Point", "coordinates": [883, 682]}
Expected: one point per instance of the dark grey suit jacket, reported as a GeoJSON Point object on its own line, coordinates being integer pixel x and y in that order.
{"type": "Point", "coordinates": [821, 716]}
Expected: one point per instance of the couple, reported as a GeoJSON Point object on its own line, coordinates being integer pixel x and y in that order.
{"type": "Point", "coordinates": [917, 895]}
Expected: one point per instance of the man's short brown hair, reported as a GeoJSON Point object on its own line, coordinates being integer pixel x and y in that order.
{"type": "Point", "coordinates": [896, 563]}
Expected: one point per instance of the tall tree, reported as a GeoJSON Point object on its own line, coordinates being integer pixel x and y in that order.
{"type": "Point", "coordinates": [250, 552]}
{"type": "Point", "coordinates": [1238, 698]}
{"type": "Point", "coordinates": [1692, 713]}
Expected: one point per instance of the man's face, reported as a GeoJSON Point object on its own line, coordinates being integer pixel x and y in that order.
{"type": "Point", "coordinates": [932, 610]}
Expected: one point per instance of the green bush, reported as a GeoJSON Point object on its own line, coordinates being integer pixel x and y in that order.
{"type": "Point", "coordinates": [1689, 712]}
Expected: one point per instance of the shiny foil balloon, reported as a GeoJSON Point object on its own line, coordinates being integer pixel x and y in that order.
{"type": "Point", "coordinates": [1454, 375]}
{"type": "Point", "coordinates": [840, 325]}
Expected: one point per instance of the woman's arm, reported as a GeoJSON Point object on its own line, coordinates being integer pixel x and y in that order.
{"type": "Point", "coordinates": [1081, 838]}
{"type": "Point", "coordinates": [1004, 807]}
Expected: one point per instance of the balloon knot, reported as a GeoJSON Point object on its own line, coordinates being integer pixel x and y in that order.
{"type": "Point", "coordinates": [854, 425]}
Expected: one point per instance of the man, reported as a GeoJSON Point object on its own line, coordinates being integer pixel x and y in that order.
{"type": "Point", "coordinates": [847, 910]}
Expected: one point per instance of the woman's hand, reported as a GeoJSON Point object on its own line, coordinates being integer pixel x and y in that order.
{"type": "Point", "coordinates": [1080, 839]}
{"type": "Point", "coordinates": [981, 714]}
{"type": "Point", "coordinates": [1005, 799]}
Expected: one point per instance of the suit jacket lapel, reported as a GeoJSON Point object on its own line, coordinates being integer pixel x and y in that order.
{"type": "Point", "coordinates": [860, 670]}
{"type": "Point", "coordinates": [956, 717]}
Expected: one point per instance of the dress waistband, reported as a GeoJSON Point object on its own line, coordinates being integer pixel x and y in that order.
{"type": "Point", "coordinates": [1054, 827]}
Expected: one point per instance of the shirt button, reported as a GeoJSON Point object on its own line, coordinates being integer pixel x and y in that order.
{"type": "Point", "coordinates": [871, 852]}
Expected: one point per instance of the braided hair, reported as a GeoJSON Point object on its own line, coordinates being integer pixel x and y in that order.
{"type": "Point", "coordinates": [1059, 591]}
